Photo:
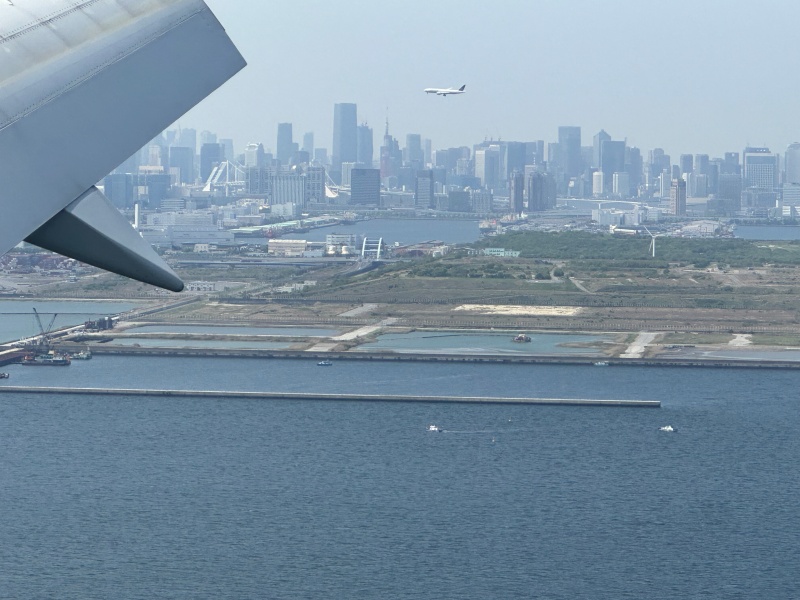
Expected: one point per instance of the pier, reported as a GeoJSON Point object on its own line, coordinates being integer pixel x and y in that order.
{"type": "Point", "coordinates": [234, 395]}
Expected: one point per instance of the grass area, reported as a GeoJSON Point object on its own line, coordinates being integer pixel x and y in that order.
{"type": "Point", "coordinates": [632, 252]}
{"type": "Point", "coordinates": [699, 339]}
{"type": "Point", "coordinates": [769, 339]}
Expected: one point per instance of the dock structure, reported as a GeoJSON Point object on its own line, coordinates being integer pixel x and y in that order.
{"type": "Point", "coordinates": [8, 357]}
{"type": "Point", "coordinates": [237, 395]}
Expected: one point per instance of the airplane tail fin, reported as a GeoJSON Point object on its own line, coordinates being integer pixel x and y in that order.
{"type": "Point", "coordinates": [462, 88]}
{"type": "Point", "coordinates": [92, 231]}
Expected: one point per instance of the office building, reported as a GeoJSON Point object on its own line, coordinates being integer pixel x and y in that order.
{"type": "Point", "coordinates": [621, 185]}
{"type": "Point", "coordinates": [598, 184]}
{"type": "Point", "coordinates": [686, 163]}
{"type": "Point", "coordinates": [211, 155]}
{"type": "Point", "coordinates": [315, 185]}
{"type": "Point", "coordinates": [598, 141]}
{"type": "Point", "coordinates": [119, 189]}
{"type": "Point", "coordinates": [414, 155]}
{"type": "Point", "coordinates": [366, 152]}
{"type": "Point", "coordinates": [792, 164]}
{"type": "Point", "coordinates": [516, 197]}
{"type": "Point", "coordinates": [760, 169]}
{"type": "Point", "coordinates": [541, 189]}
{"type": "Point", "coordinates": [308, 143]}
{"type": "Point", "coordinates": [285, 146]}
{"type": "Point", "coordinates": [345, 135]}
{"type": "Point", "coordinates": [423, 191]}
{"type": "Point", "coordinates": [254, 155]}
{"type": "Point", "coordinates": [347, 170]}
{"type": "Point", "coordinates": [182, 158]}
{"type": "Point", "coordinates": [365, 186]}
{"type": "Point", "coordinates": [569, 142]}
{"type": "Point", "coordinates": [612, 160]}
{"type": "Point", "coordinates": [288, 188]}
{"type": "Point", "coordinates": [487, 166]}
{"type": "Point", "coordinates": [677, 197]}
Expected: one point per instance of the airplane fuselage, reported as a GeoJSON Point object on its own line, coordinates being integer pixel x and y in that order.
{"type": "Point", "coordinates": [445, 91]}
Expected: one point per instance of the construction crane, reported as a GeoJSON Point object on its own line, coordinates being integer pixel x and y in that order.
{"type": "Point", "coordinates": [44, 339]}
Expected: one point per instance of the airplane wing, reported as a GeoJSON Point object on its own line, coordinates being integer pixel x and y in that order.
{"type": "Point", "coordinates": [83, 86]}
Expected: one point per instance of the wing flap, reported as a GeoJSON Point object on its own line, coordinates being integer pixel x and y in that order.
{"type": "Point", "coordinates": [91, 230]}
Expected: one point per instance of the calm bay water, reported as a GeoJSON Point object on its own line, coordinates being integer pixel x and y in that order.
{"type": "Point", "coordinates": [17, 320]}
{"type": "Point", "coordinates": [179, 498]}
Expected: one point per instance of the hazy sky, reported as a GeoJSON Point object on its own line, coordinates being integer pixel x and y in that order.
{"type": "Point", "coordinates": [691, 76]}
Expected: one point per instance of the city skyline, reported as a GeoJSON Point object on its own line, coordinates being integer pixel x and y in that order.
{"type": "Point", "coordinates": [717, 85]}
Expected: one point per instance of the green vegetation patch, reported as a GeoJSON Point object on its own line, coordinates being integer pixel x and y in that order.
{"type": "Point", "coordinates": [578, 245]}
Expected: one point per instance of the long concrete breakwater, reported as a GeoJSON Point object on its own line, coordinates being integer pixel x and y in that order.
{"type": "Point", "coordinates": [237, 395]}
{"type": "Point", "coordinates": [530, 359]}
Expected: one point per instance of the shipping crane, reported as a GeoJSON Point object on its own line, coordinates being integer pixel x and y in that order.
{"type": "Point", "coordinates": [44, 339]}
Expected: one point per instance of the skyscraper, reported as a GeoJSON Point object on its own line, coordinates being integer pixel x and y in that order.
{"type": "Point", "coordinates": [569, 142]}
{"type": "Point", "coordinates": [487, 163]}
{"type": "Point", "coordinates": [414, 155]}
{"type": "Point", "coordinates": [760, 169]}
{"type": "Point", "coordinates": [365, 186]}
{"type": "Point", "coordinates": [677, 197]}
{"type": "Point", "coordinates": [210, 156]}
{"type": "Point", "coordinates": [793, 164]}
{"type": "Point", "coordinates": [183, 159]}
{"type": "Point", "coordinates": [366, 152]}
{"type": "Point", "coordinates": [254, 155]}
{"type": "Point", "coordinates": [345, 135]}
{"type": "Point", "coordinates": [285, 146]}
{"type": "Point", "coordinates": [516, 187]}
{"type": "Point", "coordinates": [601, 137]}
{"type": "Point", "coordinates": [423, 191]}
{"type": "Point", "coordinates": [391, 156]}
{"type": "Point", "coordinates": [612, 160]}
{"type": "Point", "coordinates": [308, 143]}
{"type": "Point", "coordinates": [686, 163]}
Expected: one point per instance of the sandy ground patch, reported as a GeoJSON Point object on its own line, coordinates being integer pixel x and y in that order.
{"type": "Point", "coordinates": [638, 347]}
{"type": "Point", "coordinates": [508, 309]}
{"type": "Point", "coordinates": [741, 339]}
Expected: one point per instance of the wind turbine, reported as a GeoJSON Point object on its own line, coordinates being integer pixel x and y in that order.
{"type": "Point", "coordinates": [652, 247]}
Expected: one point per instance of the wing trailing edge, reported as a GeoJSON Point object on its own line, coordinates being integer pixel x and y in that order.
{"type": "Point", "coordinates": [79, 97]}
{"type": "Point", "coordinates": [93, 231]}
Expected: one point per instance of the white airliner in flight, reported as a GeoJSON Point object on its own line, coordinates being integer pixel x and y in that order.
{"type": "Point", "coordinates": [84, 84]}
{"type": "Point", "coordinates": [446, 91]}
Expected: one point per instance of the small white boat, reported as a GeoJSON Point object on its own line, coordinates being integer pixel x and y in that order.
{"type": "Point", "coordinates": [84, 355]}
{"type": "Point", "coordinates": [324, 363]}
{"type": "Point", "coordinates": [601, 363]}
{"type": "Point", "coordinates": [667, 428]}
{"type": "Point", "coordinates": [433, 428]}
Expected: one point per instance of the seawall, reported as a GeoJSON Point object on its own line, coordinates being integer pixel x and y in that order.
{"type": "Point", "coordinates": [326, 397]}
